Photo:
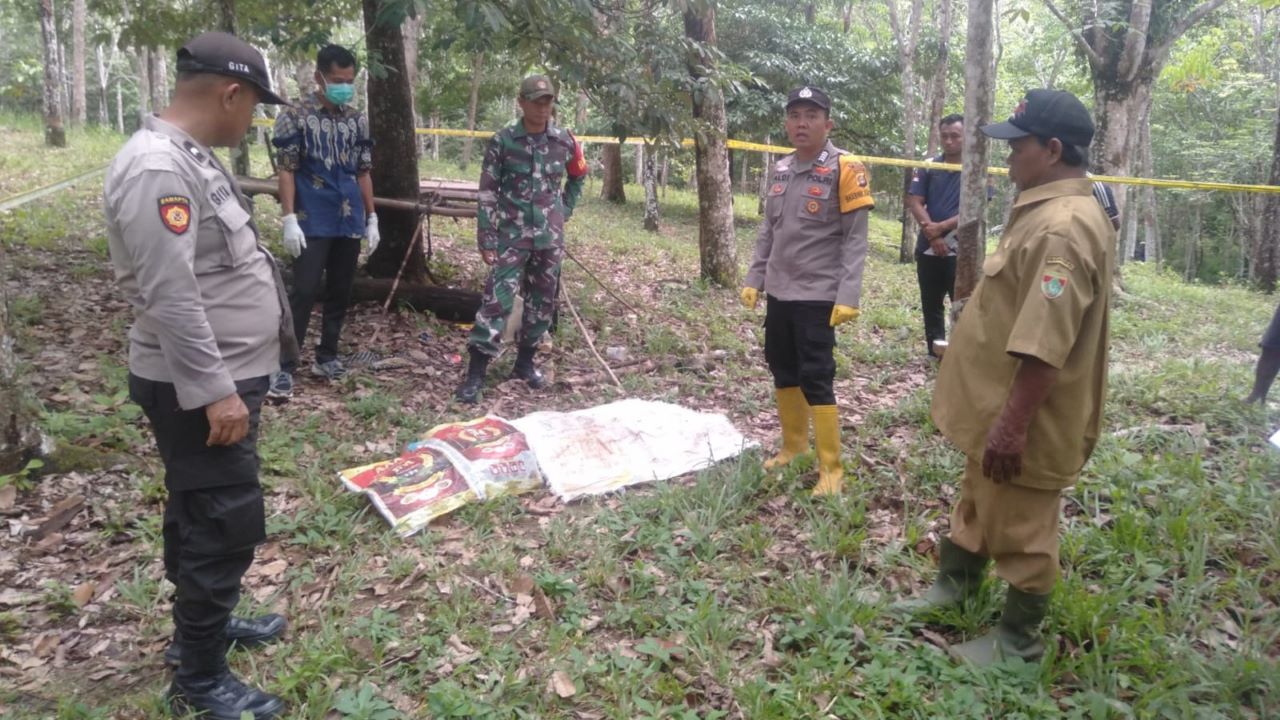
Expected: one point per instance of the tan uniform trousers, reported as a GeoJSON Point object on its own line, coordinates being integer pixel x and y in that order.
{"type": "Point", "coordinates": [1014, 525]}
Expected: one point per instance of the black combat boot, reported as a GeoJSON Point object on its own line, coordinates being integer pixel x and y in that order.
{"type": "Point", "coordinates": [245, 632]}
{"type": "Point", "coordinates": [526, 370]}
{"type": "Point", "coordinates": [204, 686]}
{"type": "Point", "coordinates": [469, 391]}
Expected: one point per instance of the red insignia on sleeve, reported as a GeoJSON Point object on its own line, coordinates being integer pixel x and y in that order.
{"type": "Point", "coordinates": [578, 165]}
{"type": "Point", "coordinates": [862, 179]}
{"type": "Point", "coordinates": [175, 213]}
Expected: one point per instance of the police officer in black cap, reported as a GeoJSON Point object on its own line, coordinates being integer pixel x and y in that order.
{"type": "Point", "coordinates": [810, 252]}
{"type": "Point", "coordinates": [211, 324]}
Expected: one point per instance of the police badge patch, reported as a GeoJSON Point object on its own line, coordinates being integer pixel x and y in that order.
{"type": "Point", "coordinates": [1053, 283]}
{"type": "Point", "coordinates": [175, 213]}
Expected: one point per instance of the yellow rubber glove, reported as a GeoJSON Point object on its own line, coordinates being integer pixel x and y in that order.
{"type": "Point", "coordinates": [750, 296]}
{"type": "Point", "coordinates": [843, 314]}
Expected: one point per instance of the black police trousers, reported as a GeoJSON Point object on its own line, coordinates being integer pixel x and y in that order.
{"type": "Point", "coordinates": [328, 264]}
{"type": "Point", "coordinates": [213, 520]}
{"type": "Point", "coordinates": [937, 279]}
{"type": "Point", "coordinates": [799, 345]}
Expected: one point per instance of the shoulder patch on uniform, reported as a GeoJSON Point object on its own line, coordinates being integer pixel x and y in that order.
{"type": "Point", "coordinates": [175, 213]}
{"type": "Point", "coordinates": [1053, 283]}
{"type": "Point", "coordinates": [1059, 260]}
{"type": "Point", "coordinates": [855, 190]}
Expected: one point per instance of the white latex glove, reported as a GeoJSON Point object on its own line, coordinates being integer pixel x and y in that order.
{"type": "Point", "coordinates": [371, 232]}
{"type": "Point", "coordinates": [294, 241]}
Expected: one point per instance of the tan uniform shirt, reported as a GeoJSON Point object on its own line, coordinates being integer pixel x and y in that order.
{"type": "Point", "coordinates": [208, 305]}
{"type": "Point", "coordinates": [1046, 294]}
{"type": "Point", "coordinates": [812, 243]}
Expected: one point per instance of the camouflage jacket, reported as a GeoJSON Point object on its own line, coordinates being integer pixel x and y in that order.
{"type": "Point", "coordinates": [529, 185]}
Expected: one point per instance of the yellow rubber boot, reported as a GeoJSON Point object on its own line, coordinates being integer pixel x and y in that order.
{"type": "Point", "coordinates": [826, 433]}
{"type": "Point", "coordinates": [793, 414]}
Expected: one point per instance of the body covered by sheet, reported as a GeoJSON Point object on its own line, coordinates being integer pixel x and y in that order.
{"type": "Point", "coordinates": [609, 447]}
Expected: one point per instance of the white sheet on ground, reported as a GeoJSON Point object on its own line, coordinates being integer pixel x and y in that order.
{"type": "Point", "coordinates": [608, 447]}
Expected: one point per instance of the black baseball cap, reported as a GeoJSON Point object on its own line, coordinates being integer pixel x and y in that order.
{"type": "Point", "coordinates": [221, 53]}
{"type": "Point", "coordinates": [808, 94]}
{"type": "Point", "coordinates": [1049, 114]}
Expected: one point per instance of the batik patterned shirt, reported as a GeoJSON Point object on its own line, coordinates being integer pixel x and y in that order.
{"type": "Point", "coordinates": [326, 151]}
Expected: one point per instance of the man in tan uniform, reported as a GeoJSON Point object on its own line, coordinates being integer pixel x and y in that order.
{"type": "Point", "coordinates": [211, 324]}
{"type": "Point", "coordinates": [809, 256]}
{"type": "Point", "coordinates": [1021, 388]}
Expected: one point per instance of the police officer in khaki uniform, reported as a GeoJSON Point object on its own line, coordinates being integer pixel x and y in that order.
{"type": "Point", "coordinates": [1021, 387]}
{"type": "Point", "coordinates": [211, 324]}
{"type": "Point", "coordinates": [809, 256]}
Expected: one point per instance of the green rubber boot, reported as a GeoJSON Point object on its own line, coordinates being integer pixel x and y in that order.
{"type": "Point", "coordinates": [960, 575]}
{"type": "Point", "coordinates": [1016, 636]}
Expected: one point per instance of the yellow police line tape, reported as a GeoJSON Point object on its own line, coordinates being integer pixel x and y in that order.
{"type": "Point", "coordinates": [22, 198]}
{"type": "Point", "coordinates": [873, 160]}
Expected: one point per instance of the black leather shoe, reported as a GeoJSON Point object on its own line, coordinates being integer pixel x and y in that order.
{"type": "Point", "coordinates": [222, 697]}
{"type": "Point", "coordinates": [526, 370]}
{"type": "Point", "coordinates": [249, 632]}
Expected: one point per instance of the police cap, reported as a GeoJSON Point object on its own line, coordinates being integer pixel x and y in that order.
{"type": "Point", "coordinates": [221, 53]}
{"type": "Point", "coordinates": [811, 95]}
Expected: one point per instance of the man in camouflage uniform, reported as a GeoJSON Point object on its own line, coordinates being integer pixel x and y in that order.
{"type": "Point", "coordinates": [525, 200]}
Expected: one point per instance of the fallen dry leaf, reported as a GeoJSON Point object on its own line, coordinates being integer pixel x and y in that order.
{"type": "Point", "coordinates": [561, 684]}
{"type": "Point", "coordinates": [84, 593]}
{"type": "Point", "coordinates": [8, 494]}
{"type": "Point", "coordinates": [273, 569]}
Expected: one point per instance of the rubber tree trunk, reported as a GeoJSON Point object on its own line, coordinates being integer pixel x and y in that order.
{"type": "Point", "coordinates": [20, 438]}
{"type": "Point", "coordinates": [411, 30]}
{"type": "Point", "coordinates": [158, 67]}
{"type": "Point", "coordinates": [938, 95]}
{"type": "Point", "coordinates": [477, 74]}
{"type": "Point", "coordinates": [979, 94]}
{"type": "Point", "coordinates": [717, 242]}
{"type": "Point", "coordinates": [1265, 259]}
{"type": "Point", "coordinates": [78, 110]}
{"type": "Point", "coordinates": [104, 78]}
{"type": "Point", "coordinates": [650, 181]}
{"type": "Point", "coordinates": [142, 61]}
{"type": "Point", "coordinates": [395, 155]}
{"type": "Point", "coordinates": [55, 135]}
{"type": "Point", "coordinates": [611, 188]}
{"type": "Point", "coordinates": [907, 36]}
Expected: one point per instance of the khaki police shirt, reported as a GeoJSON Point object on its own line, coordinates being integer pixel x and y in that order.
{"type": "Point", "coordinates": [812, 242]}
{"type": "Point", "coordinates": [1045, 294]}
{"type": "Point", "coordinates": [207, 302]}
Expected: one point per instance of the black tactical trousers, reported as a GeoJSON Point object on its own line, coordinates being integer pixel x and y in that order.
{"type": "Point", "coordinates": [799, 345]}
{"type": "Point", "coordinates": [328, 264]}
{"type": "Point", "coordinates": [213, 519]}
{"type": "Point", "coordinates": [937, 278]}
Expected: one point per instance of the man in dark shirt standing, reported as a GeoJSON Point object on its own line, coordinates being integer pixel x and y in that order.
{"type": "Point", "coordinates": [934, 200]}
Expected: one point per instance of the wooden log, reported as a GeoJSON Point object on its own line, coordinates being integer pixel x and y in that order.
{"type": "Point", "coordinates": [431, 206]}
{"type": "Point", "coordinates": [446, 303]}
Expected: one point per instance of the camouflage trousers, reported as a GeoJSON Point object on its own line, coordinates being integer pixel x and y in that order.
{"type": "Point", "coordinates": [532, 273]}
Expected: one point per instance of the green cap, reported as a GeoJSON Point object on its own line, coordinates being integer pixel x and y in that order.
{"type": "Point", "coordinates": [536, 86]}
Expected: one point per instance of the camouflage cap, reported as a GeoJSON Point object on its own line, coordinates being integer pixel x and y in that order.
{"type": "Point", "coordinates": [536, 86]}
